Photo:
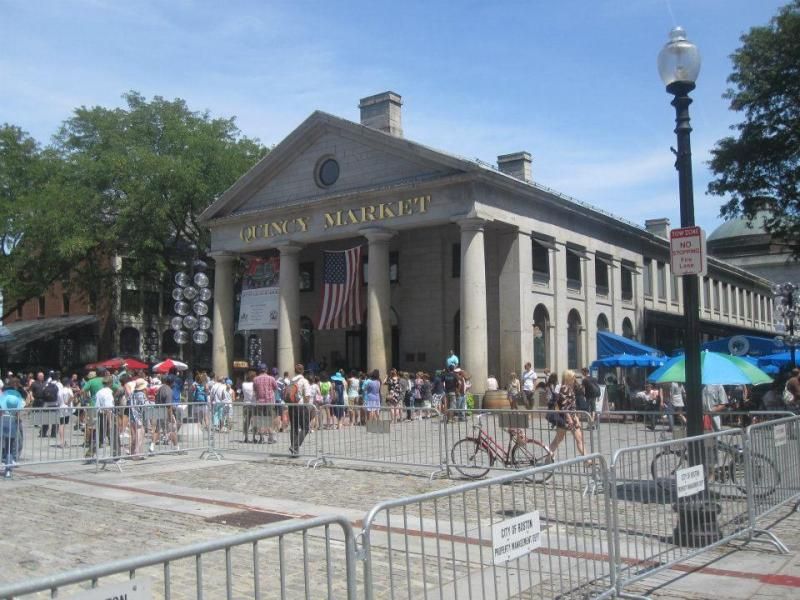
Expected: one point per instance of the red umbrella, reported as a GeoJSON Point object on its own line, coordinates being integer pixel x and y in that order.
{"type": "Point", "coordinates": [167, 365]}
{"type": "Point", "coordinates": [116, 363]}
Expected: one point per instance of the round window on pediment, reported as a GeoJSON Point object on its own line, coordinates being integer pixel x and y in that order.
{"type": "Point", "coordinates": [327, 172]}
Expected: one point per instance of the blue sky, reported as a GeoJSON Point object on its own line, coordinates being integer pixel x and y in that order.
{"type": "Point", "coordinates": [574, 82]}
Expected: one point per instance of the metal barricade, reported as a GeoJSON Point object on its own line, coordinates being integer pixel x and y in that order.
{"type": "Point", "coordinates": [536, 433]}
{"type": "Point", "coordinates": [500, 538]}
{"type": "Point", "coordinates": [135, 432]}
{"type": "Point", "coordinates": [54, 435]}
{"type": "Point", "coordinates": [625, 429]}
{"type": "Point", "coordinates": [388, 437]}
{"type": "Point", "coordinates": [383, 437]}
{"type": "Point", "coordinates": [667, 511]}
{"type": "Point", "coordinates": [313, 558]}
{"type": "Point", "coordinates": [775, 459]}
{"type": "Point", "coordinates": [267, 430]}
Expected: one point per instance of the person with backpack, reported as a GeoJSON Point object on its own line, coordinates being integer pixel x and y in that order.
{"type": "Point", "coordinates": [591, 393]}
{"type": "Point", "coordinates": [200, 398]}
{"type": "Point", "coordinates": [298, 400]}
{"type": "Point", "coordinates": [50, 421]}
{"type": "Point", "coordinates": [452, 387]}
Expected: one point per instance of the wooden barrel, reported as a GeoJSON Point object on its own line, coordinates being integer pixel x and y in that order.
{"type": "Point", "coordinates": [496, 399]}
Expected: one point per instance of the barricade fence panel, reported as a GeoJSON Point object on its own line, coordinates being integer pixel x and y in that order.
{"type": "Point", "coordinates": [506, 537]}
{"type": "Point", "coordinates": [626, 428]}
{"type": "Point", "coordinates": [309, 559]}
{"type": "Point", "coordinates": [484, 440]}
{"type": "Point", "coordinates": [652, 487]}
{"type": "Point", "coordinates": [336, 432]}
{"type": "Point", "coordinates": [775, 459]}
{"type": "Point", "coordinates": [84, 433]}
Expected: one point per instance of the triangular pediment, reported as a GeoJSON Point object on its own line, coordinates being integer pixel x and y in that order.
{"type": "Point", "coordinates": [366, 158]}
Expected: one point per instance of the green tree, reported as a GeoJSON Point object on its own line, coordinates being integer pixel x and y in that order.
{"type": "Point", "coordinates": [127, 181]}
{"type": "Point", "coordinates": [40, 243]}
{"type": "Point", "coordinates": [149, 170]}
{"type": "Point", "coordinates": [759, 168]}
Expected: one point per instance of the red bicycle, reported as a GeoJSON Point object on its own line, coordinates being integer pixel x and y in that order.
{"type": "Point", "coordinates": [474, 455]}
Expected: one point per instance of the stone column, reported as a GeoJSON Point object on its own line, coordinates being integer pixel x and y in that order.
{"type": "Point", "coordinates": [559, 337]}
{"type": "Point", "coordinates": [474, 342]}
{"type": "Point", "coordinates": [516, 302]}
{"type": "Point", "coordinates": [589, 334]}
{"type": "Point", "coordinates": [289, 307]}
{"type": "Point", "coordinates": [223, 314]}
{"type": "Point", "coordinates": [378, 299]}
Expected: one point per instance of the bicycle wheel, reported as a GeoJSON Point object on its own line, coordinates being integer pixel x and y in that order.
{"type": "Point", "coordinates": [532, 454]}
{"type": "Point", "coordinates": [765, 475]}
{"type": "Point", "coordinates": [470, 458]}
{"type": "Point", "coordinates": [664, 466]}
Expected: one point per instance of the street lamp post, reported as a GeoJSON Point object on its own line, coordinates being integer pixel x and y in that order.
{"type": "Point", "coordinates": [679, 66]}
{"type": "Point", "coordinates": [787, 299]}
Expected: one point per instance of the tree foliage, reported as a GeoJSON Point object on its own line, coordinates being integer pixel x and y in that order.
{"type": "Point", "coordinates": [125, 181]}
{"type": "Point", "coordinates": [759, 167]}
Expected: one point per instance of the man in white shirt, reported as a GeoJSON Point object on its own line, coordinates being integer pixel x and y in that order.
{"type": "Point", "coordinates": [528, 384]}
{"type": "Point", "coordinates": [714, 400]}
{"type": "Point", "coordinates": [104, 403]}
{"type": "Point", "coordinates": [298, 397]}
{"type": "Point", "coordinates": [65, 397]}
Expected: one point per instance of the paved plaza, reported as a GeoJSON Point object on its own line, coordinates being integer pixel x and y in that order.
{"type": "Point", "coordinates": [58, 517]}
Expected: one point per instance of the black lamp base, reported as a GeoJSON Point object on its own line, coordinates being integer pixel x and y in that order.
{"type": "Point", "coordinates": [697, 522]}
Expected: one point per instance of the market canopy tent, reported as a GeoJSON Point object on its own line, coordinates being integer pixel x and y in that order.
{"type": "Point", "coordinates": [629, 360]}
{"type": "Point", "coordinates": [778, 360]}
{"type": "Point", "coordinates": [610, 344]}
{"type": "Point", "coordinates": [740, 345]}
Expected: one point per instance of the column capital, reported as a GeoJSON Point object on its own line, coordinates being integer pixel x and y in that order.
{"type": "Point", "coordinates": [288, 247]}
{"type": "Point", "coordinates": [377, 234]}
{"type": "Point", "coordinates": [223, 257]}
{"type": "Point", "coordinates": [469, 223]}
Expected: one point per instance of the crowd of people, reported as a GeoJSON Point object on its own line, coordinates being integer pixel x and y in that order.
{"type": "Point", "coordinates": [154, 407]}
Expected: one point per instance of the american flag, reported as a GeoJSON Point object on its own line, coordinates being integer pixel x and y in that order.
{"type": "Point", "coordinates": [341, 294]}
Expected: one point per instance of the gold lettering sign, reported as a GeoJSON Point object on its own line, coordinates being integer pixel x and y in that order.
{"type": "Point", "coordinates": [339, 218]}
{"type": "Point", "coordinates": [377, 212]}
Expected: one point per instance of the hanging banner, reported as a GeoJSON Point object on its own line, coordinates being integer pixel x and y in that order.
{"type": "Point", "coordinates": [260, 294]}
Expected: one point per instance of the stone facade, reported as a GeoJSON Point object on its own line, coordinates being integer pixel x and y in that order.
{"type": "Point", "coordinates": [484, 262]}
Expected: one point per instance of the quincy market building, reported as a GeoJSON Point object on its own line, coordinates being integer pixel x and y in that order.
{"type": "Point", "coordinates": [459, 255]}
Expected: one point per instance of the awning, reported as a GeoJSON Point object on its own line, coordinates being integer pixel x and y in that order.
{"type": "Point", "coordinates": [739, 345]}
{"type": "Point", "coordinates": [548, 243]}
{"type": "Point", "coordinates": [630, 360]}
{"type": "Point", "coordinates": [609, 344]}
{"type": "Point", "coordinates": [579, 252]}
{"type": "Point", "coordinates": [26, 332]}
{"type": "Point", "coordinates": [607, 260]}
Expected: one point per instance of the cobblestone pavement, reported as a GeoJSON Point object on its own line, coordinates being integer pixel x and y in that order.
{"type": "Point", "coordinates": [67, 515]}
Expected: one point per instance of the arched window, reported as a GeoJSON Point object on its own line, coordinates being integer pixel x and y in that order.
{"type": "Point", "coordinates": [254, 350]}
{"type": "Point", "coordinates": [238, 346]}
{"type": "Point", "coordinates": [203, 353]}
{"type": "Point", "coordinates": [169, 347]}
{"type": "Point", "coordinates": [129, 342]}
{"type": "Point", "coordinates": [306, 340]}
{"type": "Point", "coordinates": [573, 340]}
{"type": "Point", "coordinates": [541, 337]}
{"type": "Point", "coordinates": [151, 345]}
{"type": "Point", "coordinates": [627, 328]}
{"type": "Point", "coordinates": [602, 322]}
